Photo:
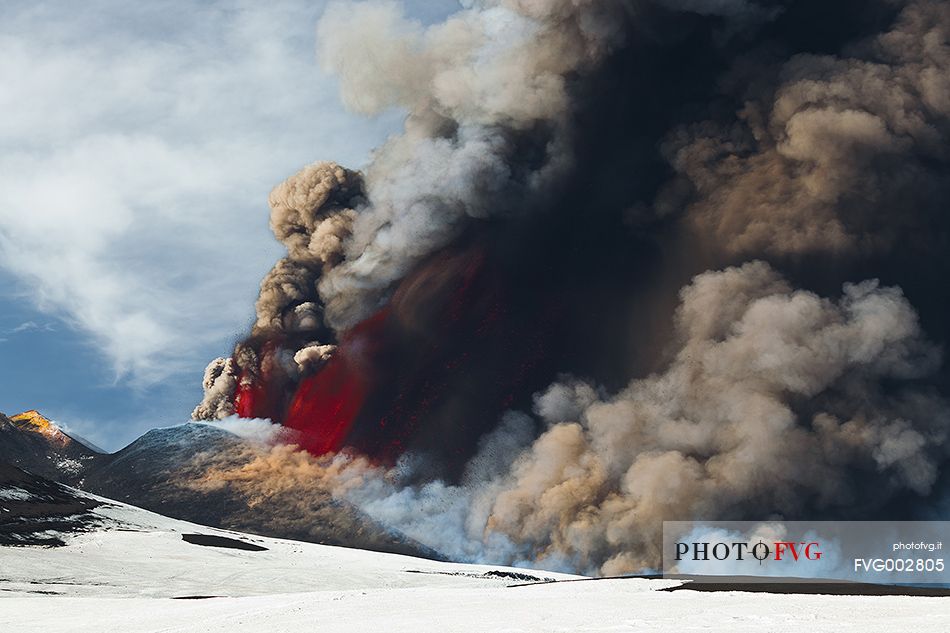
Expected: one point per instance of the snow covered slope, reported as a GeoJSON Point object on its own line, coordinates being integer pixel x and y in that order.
{"type": "Point", "coordinates": [135, 571]}
{"type": "Point", "coordinates": [135, 553]}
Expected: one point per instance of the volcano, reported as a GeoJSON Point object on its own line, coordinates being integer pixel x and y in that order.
{"type": "Point", "coordinates": [163, 471]}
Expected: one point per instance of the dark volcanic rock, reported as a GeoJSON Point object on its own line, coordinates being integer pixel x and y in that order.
{"type": "Point", "coordinates": [211, 540]}
{"type": "Point", "coordinates": [37, 511]}
{"type": "Point", "coordinates": [37, 446]}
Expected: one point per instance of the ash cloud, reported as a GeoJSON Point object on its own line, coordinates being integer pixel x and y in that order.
{"type": "Point", "coordinates": [219, 384]}
{"type": "Point", "coordinates": [773, 405]}
{"type": "Point", "coordinates": [488, 104]}
{"type": "Point", "coordinates": [487, 128]}
{"type": "Point", "coordinates": [743, 10]}
{"type": "Point", "coordinates": [836, 153]}
{"type": "Point", "coordinates": [312, 215]}
{"type": "Point", "coordinates": [673, 157]}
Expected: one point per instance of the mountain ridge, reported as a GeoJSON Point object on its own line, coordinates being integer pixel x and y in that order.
{"type": "Point", "coordinates": [161, 471]}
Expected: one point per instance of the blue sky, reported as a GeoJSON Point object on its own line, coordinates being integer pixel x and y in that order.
{"type": "Point", "coordinates": [138, 143]}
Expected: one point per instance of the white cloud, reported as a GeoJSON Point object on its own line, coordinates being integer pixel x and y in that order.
{"type": "Point", "coordinates": [30, 326]}
{"type": "Point", "coordinates": [137, 146]}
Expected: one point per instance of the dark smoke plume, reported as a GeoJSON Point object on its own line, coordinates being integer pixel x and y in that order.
{"type": "Point", "coordinates": [837, 153]}
{"type": "Point", "coordinates": [702, 242]}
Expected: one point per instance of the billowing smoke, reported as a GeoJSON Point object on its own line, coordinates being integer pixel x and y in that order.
{"type": "Point", "coordinates": [834, 153]}
{"type": "Point", "coordinates": [646, 222]}
{"type": "Point", "coordinates": [487, 100]}
{"type": "Point", "coordinates": [220, 383]}
{"type": "Point", "coordinates": [774, 404]}
{"type": "Point", "coordinates": [312, 215]}
{"type": "Point", "coordinates": [487, 134]}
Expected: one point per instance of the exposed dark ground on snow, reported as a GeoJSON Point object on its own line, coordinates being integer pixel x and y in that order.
{"type": "Point", "coordinates": [800, 586]}
{"type": "Point", "coordinates": [35, 511]}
